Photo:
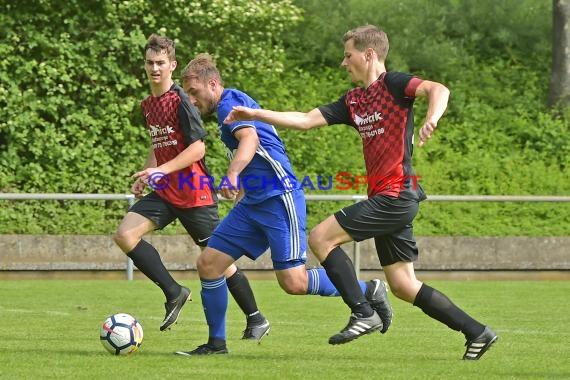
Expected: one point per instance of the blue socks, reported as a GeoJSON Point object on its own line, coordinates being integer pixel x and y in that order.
{"type": "Point", "coordinates": [319, 283]}
{"type": "Point", "coordinates": [215, 298]}
{"type": "Point", "coordinates": [215, 303]}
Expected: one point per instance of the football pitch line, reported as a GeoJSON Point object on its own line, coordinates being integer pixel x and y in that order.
{"type": "Point", "coordinates": [34, 311]}
{"type": "Point", "coordinates": [50, 331]}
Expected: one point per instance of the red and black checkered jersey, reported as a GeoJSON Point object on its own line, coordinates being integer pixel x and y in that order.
{"type": "Point", "coordinates": [382, 114]}
{"type": "Point", "coordinates": [173, 124]}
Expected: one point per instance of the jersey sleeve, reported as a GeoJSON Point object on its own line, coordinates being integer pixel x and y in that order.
{"type": "Point", "coordinates": [402, 85]}
{"type": "Point", "coordinates": [226, 106]}
{"type": "Point", "coordinates": [336, 112]}
{"type": "Point", "coordinates": [190, 122]}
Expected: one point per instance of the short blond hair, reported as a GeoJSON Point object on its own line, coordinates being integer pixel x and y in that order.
{"type": "Point", "coordinates": [369, 36]}
{"type": "Point", "coordinates": [203, 68]}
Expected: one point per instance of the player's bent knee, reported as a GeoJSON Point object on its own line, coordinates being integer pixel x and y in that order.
{"type": "Point", "coordinates": [403, 291]}
{"type": "Point", "coordinates": [293, 289]}
{"type": "Point", "coordinates": [207, 266]}
{"type": "Point", "coordinates": [293, 285]}
{"type": "Point", "coordinates": [316, 235]}
{"type": "Point", "coordinates": [119, 237]}
{"type": "Point", "coordinates": [318, 245]}
{"type": "Point", "coordinates": [325, 237]}
{"type": "Point", "coordinates": [203, 264]}
{"type": "Point", "coordinates": [125, 241]}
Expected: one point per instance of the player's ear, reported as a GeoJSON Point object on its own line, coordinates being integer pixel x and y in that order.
{"type": "Point", "coordinates": [173, 65]}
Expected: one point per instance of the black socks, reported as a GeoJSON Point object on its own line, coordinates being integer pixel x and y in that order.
{"type": "Point", "coordinates": [239, 287]}
{"type": "Point", "coordinates": [147, 259]}
{"type": "Point", "coordinates": [341, 273]}
{"type": "Point", "coordinates": [439, 307]}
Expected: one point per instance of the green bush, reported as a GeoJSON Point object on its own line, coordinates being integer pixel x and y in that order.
{"type": "Point", "coordinates": [71, 83]}
{"type": "Point", "coordinates": [72, 78]}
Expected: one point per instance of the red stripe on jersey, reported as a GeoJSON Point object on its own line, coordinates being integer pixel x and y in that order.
{"type": "Point", "coordinates": [412, 86]}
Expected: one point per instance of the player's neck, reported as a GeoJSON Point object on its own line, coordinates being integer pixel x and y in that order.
{"type": "Point", "coordinates": [157, 89]}
{"type": "Point", "coordinates": [218, 93]}
{"type": "Point", "coordinates": [374, 73]}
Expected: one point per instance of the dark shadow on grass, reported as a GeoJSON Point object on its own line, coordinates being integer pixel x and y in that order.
{"type": "Point", "coordinates": [33, 351]}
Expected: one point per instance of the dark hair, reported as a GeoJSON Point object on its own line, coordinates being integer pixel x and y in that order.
{"type": "Point", "coordinates": [159, 44]}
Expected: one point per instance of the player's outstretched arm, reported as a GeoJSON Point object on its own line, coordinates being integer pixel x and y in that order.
{"type": "Point", "coordinates": [291, 120]}
{"type": "Point", "coordinates": [438, 96]}
{"type": "Point", "coordinates": [194, 152]}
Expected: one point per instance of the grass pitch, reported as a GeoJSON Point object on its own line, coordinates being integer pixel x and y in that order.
{"type": "Point", "coordinates": [49, 330]}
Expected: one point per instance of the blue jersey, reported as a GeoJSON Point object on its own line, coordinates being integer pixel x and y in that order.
{"type": "Point", "coordinates": [269, 173]}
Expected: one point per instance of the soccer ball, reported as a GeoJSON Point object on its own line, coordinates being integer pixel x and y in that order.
{"type": "Point", "coordinates": [121, 334]}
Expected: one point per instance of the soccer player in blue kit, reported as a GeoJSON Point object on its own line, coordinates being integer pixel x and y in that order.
{"type": "Point", "coordinates": [177, 150]}
{"type": "Point", "coordinates": [381, 111]}
{"type": "Point", "coordinates": [269, 212]}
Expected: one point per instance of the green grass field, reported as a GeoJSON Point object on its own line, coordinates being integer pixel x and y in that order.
{"type": "Point", "coordinates": [49, 330]}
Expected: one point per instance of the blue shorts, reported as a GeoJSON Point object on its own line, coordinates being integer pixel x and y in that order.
{"type": "Point", "coordinates": [277, 223]}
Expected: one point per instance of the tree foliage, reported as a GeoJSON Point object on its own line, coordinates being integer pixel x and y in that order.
{"type": "Point", "coordinates": [72, 78]}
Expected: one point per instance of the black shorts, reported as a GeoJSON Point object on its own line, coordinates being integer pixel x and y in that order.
{"type": "Point", "coordinates": [386, 219]}
{"type": "Point", "coordinates": [200, 222]}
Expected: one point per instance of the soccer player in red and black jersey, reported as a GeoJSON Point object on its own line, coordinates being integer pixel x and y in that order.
{"type": "Point", "coordinates": [382, 113]}
{"type": "Point", "coordinates": [174, 170]}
